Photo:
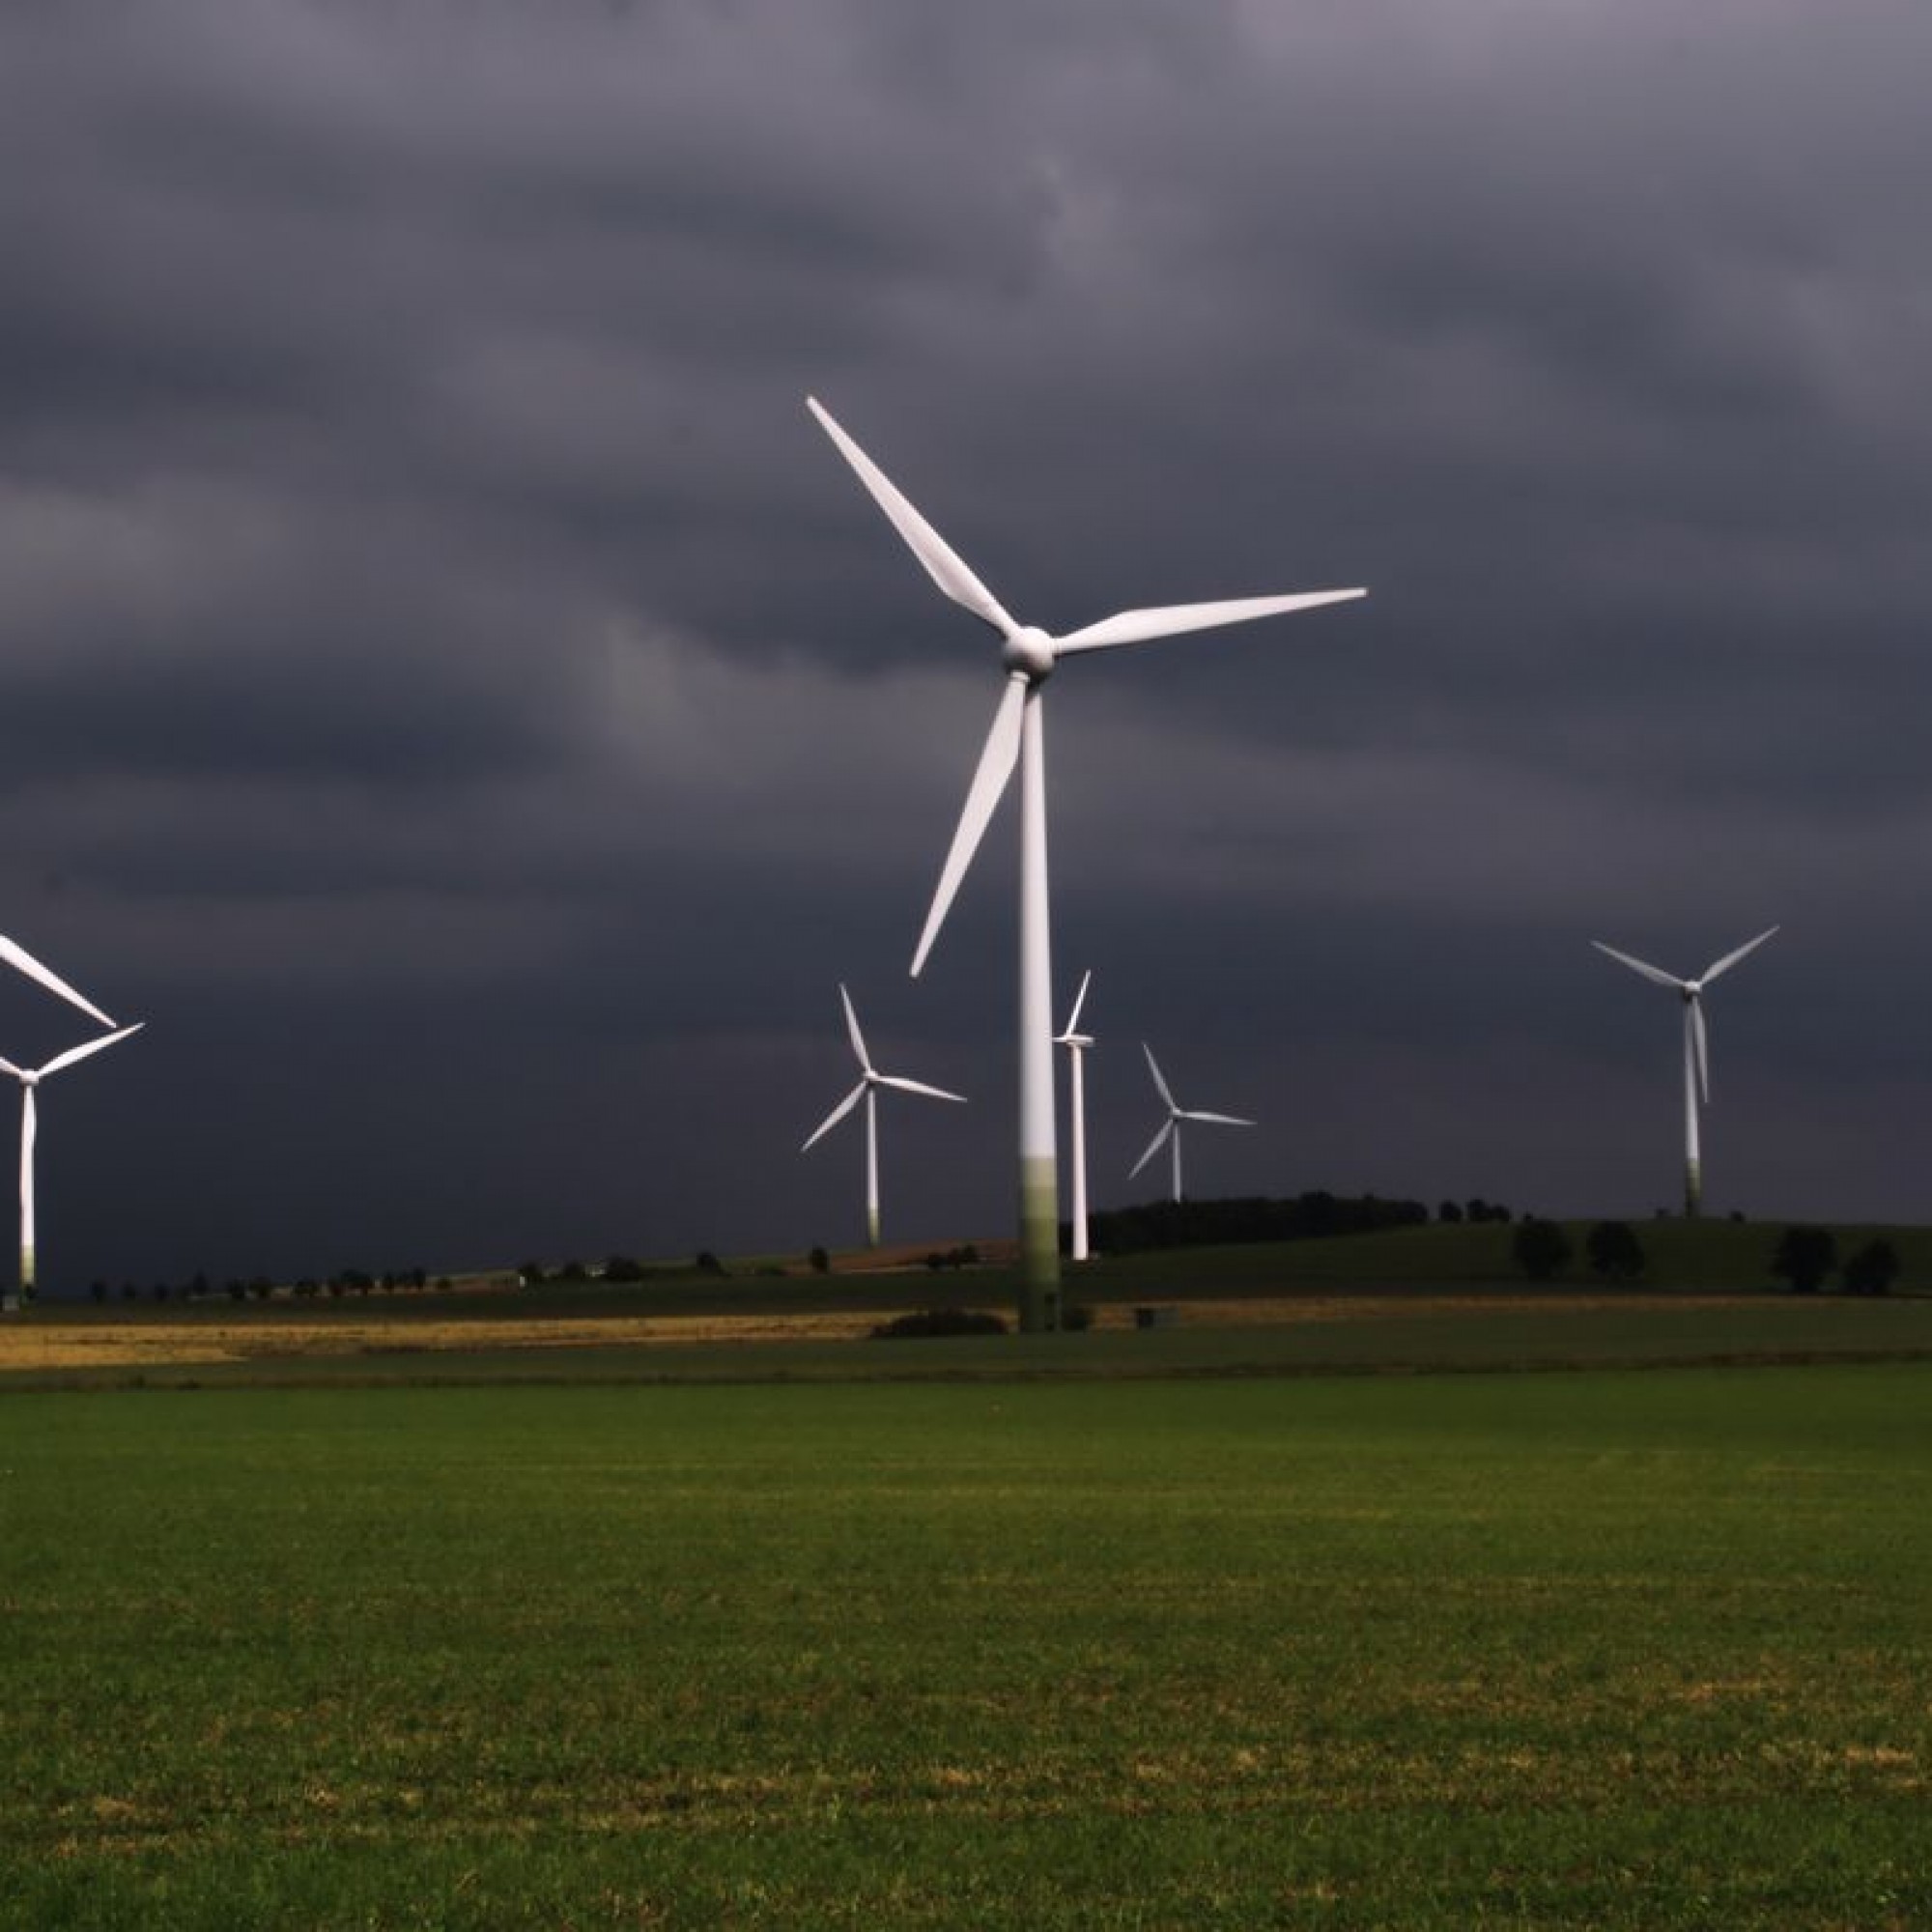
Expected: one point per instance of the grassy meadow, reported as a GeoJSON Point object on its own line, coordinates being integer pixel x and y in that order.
{"type": "Point", "coordinates": [1594, 1648]}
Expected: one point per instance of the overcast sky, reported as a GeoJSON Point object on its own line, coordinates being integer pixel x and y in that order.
{"type": "Point", "coordinates": [457, 697]}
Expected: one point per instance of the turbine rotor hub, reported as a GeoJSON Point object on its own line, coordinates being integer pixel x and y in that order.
{"type": "Point", "coordinates": [31, 1078]}
{"type": "Point", "coordinates": [1030, 652]}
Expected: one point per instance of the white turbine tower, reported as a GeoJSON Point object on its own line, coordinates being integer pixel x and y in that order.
{"type": "Point", "coordinates": [24, 961]}
{"type": "Point", "coordinates": [871, 1080]}
{"type": "Point", "coordinates": [1696, 1049]}
{"type": "Point", "coordinates": [1171, 1127]}
{"type": "Point", "coordinates": [1027, 659]}
{"type": "Point", "coordinates": [1076, 1045]}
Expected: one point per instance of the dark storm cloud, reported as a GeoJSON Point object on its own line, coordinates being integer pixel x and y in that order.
{"type": "Point", "coordinates": [454, 689]}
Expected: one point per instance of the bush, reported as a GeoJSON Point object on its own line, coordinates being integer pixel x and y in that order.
{"type": "Point", "coordinates": [821, 1261]}
{"type": "Point", "coordinates": [1076, 1317]}
{"type": "Point", "coordinates": [1614, 1252]}
{"type": "Point", "coordinates": [1541, 1248]}
{"type": "Point", "coordinates": [1872, 1270]}
{"type": "Point", "coordinates": [933, 1321]}
{"type": "Point", "coordinates": [1804, 1257]}
{"type": "Point", "coordinates": [967, 1256]}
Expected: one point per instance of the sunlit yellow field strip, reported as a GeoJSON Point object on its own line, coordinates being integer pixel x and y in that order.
{"type": "Point", "coordinates": [32, 1347]}
{"type": "Point", "coordinates": [43, 1341]}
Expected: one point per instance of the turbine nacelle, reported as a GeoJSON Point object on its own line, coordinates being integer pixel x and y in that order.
{"type": "Point", "coordinates": [1029, 653]}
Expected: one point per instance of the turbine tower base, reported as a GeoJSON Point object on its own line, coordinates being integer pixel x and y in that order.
{"type": "Point", "coordinates": [1039, 1249]}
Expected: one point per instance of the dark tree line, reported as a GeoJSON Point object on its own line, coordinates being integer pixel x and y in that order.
{"type": "Point", "coordinates": [1193, 1224]}
{"type": "Point", "coordinates": [1806, 1258]}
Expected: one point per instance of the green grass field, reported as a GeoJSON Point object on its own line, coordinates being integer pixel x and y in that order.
{"type": "Point", "coordinates": [1607, 1649]}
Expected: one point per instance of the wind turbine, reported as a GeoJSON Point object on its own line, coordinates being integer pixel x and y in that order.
{"type": "Point", "coordinates": [1076, 1045]}
{"type": "Point", "coordinates": [1696, 1050]}
{"type": "Point", "coordinates": [1027, 659]}
{"type": "Point", "coordinates": [1171, 1128]}
{"type": "Point", "coordinates": [22, 961]}
{"type": "Point", "coordinates": [29, 1078]}
{"type": "Point", "coordinates": [871, 1080]}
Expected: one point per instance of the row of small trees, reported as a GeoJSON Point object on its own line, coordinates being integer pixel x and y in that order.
{"type": "Point", "coordinates": [1309, 1216]}
{"type": "Point", "coordinates": [260, 1287]}
{"type": "Point", "coordinates": [613, 1267]}
{"type": "Point", "coordinates": [1805, 1257]}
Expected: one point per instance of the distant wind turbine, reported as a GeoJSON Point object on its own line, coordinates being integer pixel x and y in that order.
{"type": "Point", "coordinates": [1027, 659]}
{"type": "Point", "coordinates": [871, 1080]}
{"type": "Point", "coordinates": [1171, 1128]}
{"type": "Point", "coordinates": [1696, 1050]}
{"type": "Point", "coordinates": [22, 961]}
{"type": "Point", "coordinates": [1076, 1045]}
{"type": "Point", "coordinates": [29, 1078]}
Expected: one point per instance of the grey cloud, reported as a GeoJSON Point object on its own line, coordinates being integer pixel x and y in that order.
{"type": "Point", "coordinates": [428, 617]}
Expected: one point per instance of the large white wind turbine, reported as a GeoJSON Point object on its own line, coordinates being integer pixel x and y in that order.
{"type": "Point", "coordinates": [1027, 659]}
{"type": "Point", "coordinates": [1170, 1131]}
{"type": "Point", "coordinates": [29, 1078]}
{"type": "Point", "coordinates": [871, 1080]}
{"type": "Point", "coordinates": [22, 961]}
{"type": "Point", "coordinates": [1696, 1049]}
{"type": "Point", "coordinates": [1076, 1044]}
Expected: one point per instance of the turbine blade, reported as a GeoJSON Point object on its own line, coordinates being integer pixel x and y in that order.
{"type": "Point", "coordinates": [918, 1087]}
{"type": "Point", "coordinates": [852, 1028]}
{"type": "Point", "coordinates": [1170, 620]}
{"type": "Point", "coordinates": [18, 957]}
{"type": "Point", "coordinates": [1219, 1120]}
{"type": "Point", "coordinates": [1654, 973]}
{"type": "Point", "coordinates": [73, 1053]}
{"type": "Point", "coordinates": [1154, 1146]}
{"type": "Point", "coordinates": [8, 1067]}
{"type": "Point", "coordinates": [943, 564]}
{"type": "Point", "coordinates": [1160, 1085]}
{"type": "Point", "coordinates": [1079, 1000]}
{"type": "Point", "coordinates": [837, 1115]}
{"type": "Point", "coordinates": [1700, 1034]}
{"type": "Point", "coordinates": [1730, 959]}
{"type": "Point", "coordinates": [996, 766]}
